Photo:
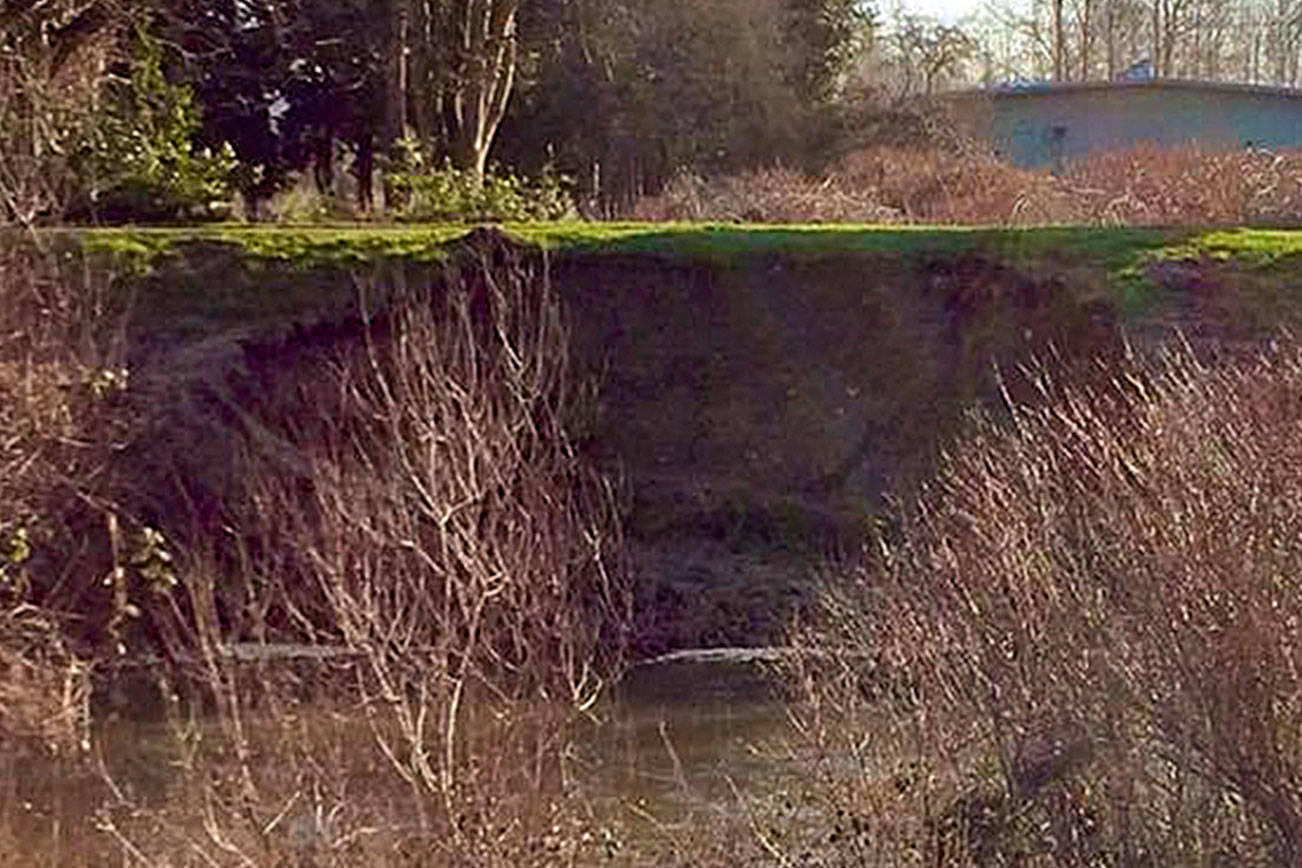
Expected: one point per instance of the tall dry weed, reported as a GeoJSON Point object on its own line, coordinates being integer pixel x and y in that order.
{"type": "Point", "coordinates": [61, 376]}
{"type": "Point", "coordinates": [44, 688]}
{"type": "Point", "coordinates": [1085, 637]}
{"type": "Point", "coordinates": [773, 195]}
{"type": "Point", "coordinates": [1145, 185]}
{"type": "Point", "coordinates": [404, 503]}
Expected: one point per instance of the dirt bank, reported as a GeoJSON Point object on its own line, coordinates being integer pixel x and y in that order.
{"type": "Point", "coordinates": [761, 412]}
{"type": "Point", "coordinates": [759, 408]}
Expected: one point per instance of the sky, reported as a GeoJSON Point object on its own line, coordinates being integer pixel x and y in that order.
{"type": "Point", "coordinates": [948, 11]}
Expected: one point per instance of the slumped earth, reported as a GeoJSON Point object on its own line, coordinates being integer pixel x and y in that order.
{"type": "Point", "coordinates": [759, 390]}
{"type": "Point", "coordinates": [762, 395]}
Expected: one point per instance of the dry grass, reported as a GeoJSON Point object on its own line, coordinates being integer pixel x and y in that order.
{"type": "Point", "coordinates": [60, 363]}
{"type": "Point", "coordinates": [1087, 634]}
{"type": "Point", "coordinates": [1140, 186]}
{"type": "Point", "coordinates": [44, 689]}
{"type": "Point", "coordinates": [763, 196]}
{"type": "Point", "coordinates": [402, 490]}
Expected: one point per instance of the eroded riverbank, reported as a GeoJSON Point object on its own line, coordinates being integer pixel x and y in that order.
{"type": "Point", "coordinates": [499, 479]}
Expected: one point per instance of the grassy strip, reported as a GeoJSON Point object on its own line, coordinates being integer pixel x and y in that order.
{"type": "Point", "coordinates": [1254, 247]}
{"type": "Point", "coordinates": [235, 271]}
{"type": "Point", "coordinates": [712, 243]}
{"type": "Point", "coordinates": [307, 246]}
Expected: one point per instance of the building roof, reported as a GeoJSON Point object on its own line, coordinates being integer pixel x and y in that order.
{"type": "Point", "coordinates": [1044, 88]}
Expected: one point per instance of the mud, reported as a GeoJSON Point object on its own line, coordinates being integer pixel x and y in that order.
{"type": "Point", "coordinates": [762, 413]}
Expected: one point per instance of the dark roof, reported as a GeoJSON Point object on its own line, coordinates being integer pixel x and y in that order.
{"type": "Point", "coordinates": [1028, 89]}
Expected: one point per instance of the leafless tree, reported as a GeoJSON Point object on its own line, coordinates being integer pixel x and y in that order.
{"type": "Point", "coordinates": [53, 57]}
{"type": "Point", "coordinates": [454, 69]}
{"type": "Point", "coordinates": [1220, 40]}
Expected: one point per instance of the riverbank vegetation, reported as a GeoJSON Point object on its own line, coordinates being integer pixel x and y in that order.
{"type": "Point", "coordinates": [1075, 640]}
{"type": "Point", "coordinates": [1084, 630]}
{"type": "Point", "coordinates": [399, 491]}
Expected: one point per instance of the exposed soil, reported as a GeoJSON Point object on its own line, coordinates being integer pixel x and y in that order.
{"type": "Point", "coordinates": [761, 412]}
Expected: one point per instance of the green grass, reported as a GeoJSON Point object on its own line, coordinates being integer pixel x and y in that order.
{"type": "Point", "coordinates": [722, 243]}
{"type": "Point", "coordinates": [1107, 250]}
{"type": "Point", "coordinates": [305, 246]}
{"type": "Point", "coordinates": [233, 270]}
{"type": "Point", "coordinates": [1255, 247]}
{"type": "Point", "coordinates": [712, 243]}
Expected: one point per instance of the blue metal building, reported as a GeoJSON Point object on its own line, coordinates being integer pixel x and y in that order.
{"type": "Point", "coordinates": [1038, 125]}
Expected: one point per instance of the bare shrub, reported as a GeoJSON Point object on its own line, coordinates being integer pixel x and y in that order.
{"type": "Point", "coordinates": [883, 184]}
{"type": "Point", "coordinates": [930, 185]}
{"type": "Point", "coordinates": [62, 593]}
{"type": "Point", "coordinates": [405, 501]}
{"type": "Point", "coordinates": [412, 473]}
{"type": "Point", "coordinates": [65, 529]}
{"type": "Point", "coordinates": [1085, 635]}
{"type": "Point", "coordinates": [50, 79]}
{"type": "Point", "coordinates": [398, 494]}
{"type": "Point", "coordinates": [44, 688]}
{"type": "Point", "coordinates": [1187, 185]}
{"type": "Point", "coordinates": [763, 196]}
{"type": "Point", "coordinates": [1144, 185]}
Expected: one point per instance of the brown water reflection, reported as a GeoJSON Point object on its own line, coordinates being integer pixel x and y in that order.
{"type": "Point", "coordinates": [674, 743]}
{"type": "Point", "coordinates": [687, 734]}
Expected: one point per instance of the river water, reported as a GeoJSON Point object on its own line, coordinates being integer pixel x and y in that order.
{"type": "Point", "coordinates": [691, 731]}
{"type": "Point", "coordinates": [686, 737]}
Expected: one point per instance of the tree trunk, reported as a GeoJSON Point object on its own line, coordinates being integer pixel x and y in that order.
{"type": "Point", "coordinates": [1170, 23]}
{"type": "Point", "coordinates": [1157, 38]}
{"type": "Point", "coordinates": [365, 170]}
{"type": "Point", "coordinates": [398, 91]}
{"type": "Point", "coordinates": [470, 155]}
{"type": "Point", "coordinates": [1059, 67]}
{"type": "Point", "coordinates": [1112, 39]}
{"type": "Point", "coordinates": [476, 76]}
{"type": "Point", "coordinates": [323, 163]}
{"type": "Point", "coordinates": [1085, 19]}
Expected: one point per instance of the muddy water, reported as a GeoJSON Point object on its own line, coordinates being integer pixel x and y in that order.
{"type": "Point", "coordinates": [672, 740]}
{"type": "Point", "coordinates": [691, 734]}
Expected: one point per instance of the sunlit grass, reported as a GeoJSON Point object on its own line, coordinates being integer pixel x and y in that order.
{"type": "Point", "coordinates": [1261, 247]}
{"type": "Point", "coordinates": [230, 272]}
{"type": "Point", "coordinates": [719, 243]}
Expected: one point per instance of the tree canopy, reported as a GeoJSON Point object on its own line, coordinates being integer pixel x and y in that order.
{"type": "Point", "coordinates": [615, 95]}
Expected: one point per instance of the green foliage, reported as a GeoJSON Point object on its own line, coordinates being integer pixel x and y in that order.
{"type": "Point", "coordinates": [17, 549]}
{"type": "Point", "coordinates": [828, 35]}
{"type": "Point", "coordinates": [153, 561]}
{"type": "Point", "coordinates": [15, 552]}
{"type": "Point", "coordinates": [622, 94]}
{"type": "Point", "coordinates": [418, 190]}
{"type": "Point", "coordinates": [141, 162]}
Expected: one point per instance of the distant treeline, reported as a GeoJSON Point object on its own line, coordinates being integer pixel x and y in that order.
{"type": "Point", "coordinates": [187, 109]}
{"type": "Point", "coordinates": [612, 96]}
